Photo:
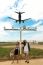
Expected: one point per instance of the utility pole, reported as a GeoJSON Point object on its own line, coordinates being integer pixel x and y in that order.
{"type": "Point", "coordinates": [20, 39]}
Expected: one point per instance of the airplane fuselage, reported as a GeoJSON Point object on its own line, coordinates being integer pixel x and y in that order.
{"type": "Point", "coordinates": [19, 17]}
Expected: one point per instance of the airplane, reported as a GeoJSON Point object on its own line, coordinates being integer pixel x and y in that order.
{"type": "Point", "coordinates": [19, 17]}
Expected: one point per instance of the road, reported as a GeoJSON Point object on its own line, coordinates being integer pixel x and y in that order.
{"type": "Point", "coordinates": [22, 62]}
{"type": "Point", "coordinates": [32, 46]}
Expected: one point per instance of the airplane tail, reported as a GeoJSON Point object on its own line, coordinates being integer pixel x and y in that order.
{"type": "Point", "coordinates": [20, 12]}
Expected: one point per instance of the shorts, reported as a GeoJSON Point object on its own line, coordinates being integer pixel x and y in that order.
{"type": "Point", "coordinates": [16, 52]}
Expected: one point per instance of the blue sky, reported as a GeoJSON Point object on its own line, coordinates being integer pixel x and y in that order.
{"type": "Point", "coordinates": [33, 9]}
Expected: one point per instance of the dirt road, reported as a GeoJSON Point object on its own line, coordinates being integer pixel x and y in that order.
{"type": "Point", "coordinates": [32, 46]}
{"type": "Point", "coordinates": [36, 46]}
{"type": "Point", "coordinates": [22, 62]}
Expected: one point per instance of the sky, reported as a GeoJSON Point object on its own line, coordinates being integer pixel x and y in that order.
{"type": "Point", "coordinates": [33, 9]}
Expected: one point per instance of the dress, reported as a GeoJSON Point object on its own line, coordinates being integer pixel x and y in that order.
{"type": "Point", "coordinates": [26, 50]}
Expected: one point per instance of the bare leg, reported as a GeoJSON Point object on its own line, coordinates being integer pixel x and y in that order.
{"type": "Point", "coordinates": [17, 58]}
{"type": "Point", "coordinates": [12, 60]}
{"type": "Point", "coordinates": [27, 57]}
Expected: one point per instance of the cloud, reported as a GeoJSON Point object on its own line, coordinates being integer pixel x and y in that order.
{"type": "Point", "coordinates": [2, 25]}
{"type": "Point", "coordinates": [40, 28]}
{"type": "Point", "coordinates": [2, 32]}
{"type": "Point", "coordinates": [3, 6]}
{"type": "Point", "coordinates": [32, 8]}
{"type": "Point", "coordinates": [39, 25]}
{"type": "Point", "coordinates": [8, 25]}
{"type": "Point", "coordinates": [36, 24]}
{"type": "Point", "coordinates": [37, 37]}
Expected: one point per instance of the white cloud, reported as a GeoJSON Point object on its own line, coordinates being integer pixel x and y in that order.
{"type": "Point", "coordinates": [3, 6]}
{"type": "Point", "coordinates": [37, 24]}
{"type": "Point", "coordinates": [8, 25]}
{"type": "Point", "coordinates": [32, 8]}
{"type": "Point", "coordinates": [35, 9]}
{"type": "Point", "coordinates": [37, 37]}
{"type": "Point", "coordinates": [2, 25]}
{"type": "Point", "coordinates": [40, 28]}
{"type": "Point", "coordinates": [5, 24]}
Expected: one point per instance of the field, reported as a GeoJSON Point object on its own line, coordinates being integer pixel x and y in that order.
{"type": "Point", "coordinates": [36, 55]}
{"type": "Point", "coordinates": [35, 52]}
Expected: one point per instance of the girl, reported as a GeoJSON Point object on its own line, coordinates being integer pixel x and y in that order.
{"type": "Point", "coordinates": [15, 53]}
{"type": "Point", "coordinates": [26, 50]}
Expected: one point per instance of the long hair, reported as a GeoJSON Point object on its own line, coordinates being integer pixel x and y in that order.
{"type": "Point", "coordinates": [24, 42]}
{"type": "Point", "coordinates": [28, 46]}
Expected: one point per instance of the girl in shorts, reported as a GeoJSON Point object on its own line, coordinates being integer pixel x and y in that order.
{"type": "Point", "coordinates": [16, 51]}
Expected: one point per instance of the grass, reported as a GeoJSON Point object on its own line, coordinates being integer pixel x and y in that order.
{"type": "Point", "coordinates": [34, 53]}
{"type": "Point", "coordinates": [4, 52]}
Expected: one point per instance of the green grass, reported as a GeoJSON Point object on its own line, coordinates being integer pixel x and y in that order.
{"type": "Point", "coordinates": [41, 43]}
{"type": "Point", "coordinates": [34, 53]}
{"type": "Point", "coordinates": [4, 52]}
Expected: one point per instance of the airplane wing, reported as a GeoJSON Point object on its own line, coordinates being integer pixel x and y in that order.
{"type": "Point", "coordinates": [18, 20]}
{"type": "Point", "coordinates": [26, 19]}
{"type": "Point", "coordinates": [11, 18]}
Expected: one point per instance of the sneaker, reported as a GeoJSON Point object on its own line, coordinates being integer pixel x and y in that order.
{"type": "Point", "coordinates": [25, 61]}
